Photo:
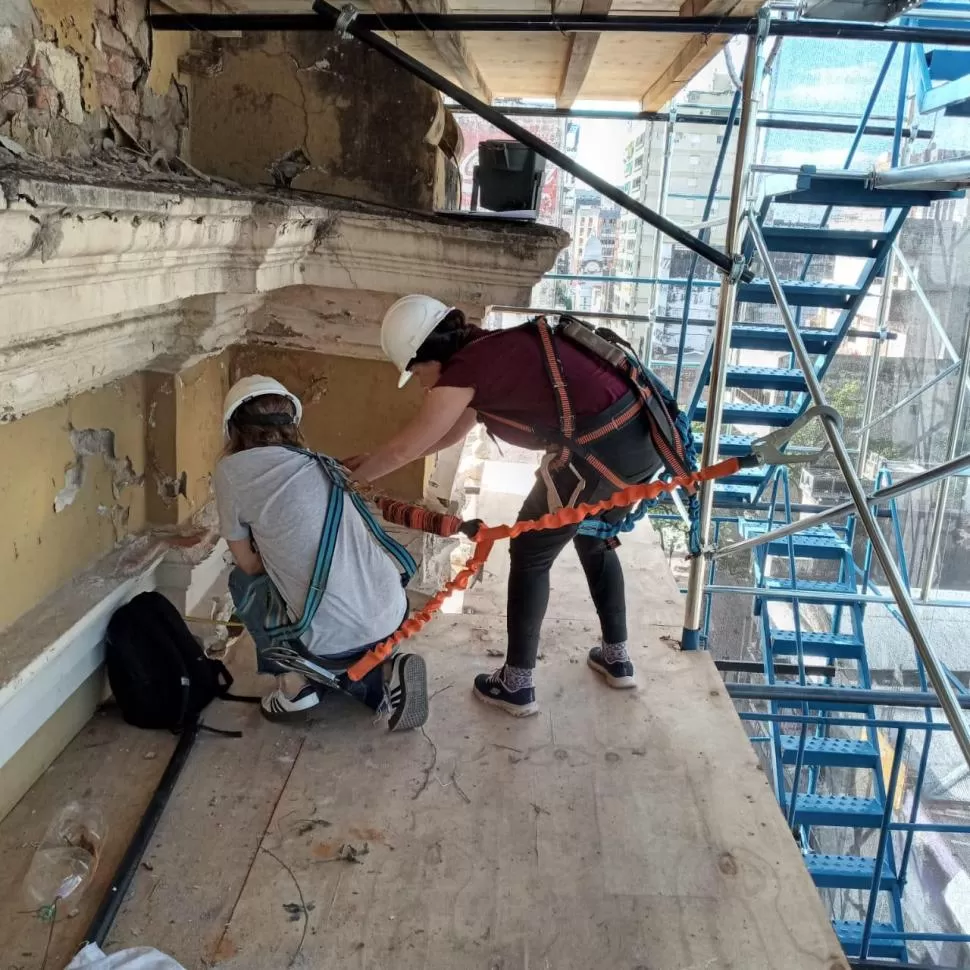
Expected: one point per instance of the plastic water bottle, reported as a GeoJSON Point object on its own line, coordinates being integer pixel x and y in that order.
{"type": "Point", "coordinates": [67, 857]}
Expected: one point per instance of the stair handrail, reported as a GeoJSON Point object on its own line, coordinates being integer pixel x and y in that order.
{"type": "Point", "coordinates": [880, 545]}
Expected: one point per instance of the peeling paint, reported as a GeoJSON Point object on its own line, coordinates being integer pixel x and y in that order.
{"type": "Point", "coordinates": [95, 443]}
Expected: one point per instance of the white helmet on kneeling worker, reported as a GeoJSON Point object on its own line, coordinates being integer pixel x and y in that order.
{"type": "Point", "coordinates": [407, 324]}
{"type": "Point", "coordinates": [285, 410]}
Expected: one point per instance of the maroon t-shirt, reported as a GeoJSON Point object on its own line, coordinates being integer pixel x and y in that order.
{"type": "Point", "coordinates": [507, 372]}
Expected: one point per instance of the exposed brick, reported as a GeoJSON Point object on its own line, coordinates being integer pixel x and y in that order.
{"type": "Point", "coordinates": [121, 69]}
{"type": "Point", "coordinates": [111, 36]}
{"type": "Point", "coordinates": [108, 94]}
{"type": "Point", "coordinates": [128, 103]}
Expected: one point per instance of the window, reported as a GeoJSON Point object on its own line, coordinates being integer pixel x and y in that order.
{"type": "Point", "coordinates": [695, 139]}
{"type": "Point", "coordinates": [694, 160]}
{"type": "Point", "coordinates": [692, 183]}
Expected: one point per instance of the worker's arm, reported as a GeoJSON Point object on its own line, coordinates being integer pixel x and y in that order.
{"type": "Point", "coordinates": [459, 432]}
{"type": "Point", "coordinates": [246, 556]}
{"type": "Point", "coordinates": [443, 412]}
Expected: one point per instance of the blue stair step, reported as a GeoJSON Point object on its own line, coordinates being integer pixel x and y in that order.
{"type": "Point", "coordinates": [848, 871]}
{"type": "Point", "coordinates": [765, 378]}
{"type": "Point", "coordinates": [947, 65]}
{"type": "Point", "coordinates": [849, 933]}
{"type": "Point", "coordinates": [798, 293]}
{"type": "Point", "coordinates": [757, 336]}
{"type": "Point", "coordinates": [762, 415]}
{"type": "Point", "coordinates": [846, 811]}
{"type": "Point", "coordinates": [729, 445]}
{"type": "Point", "coordinates": [820, 542]}
{"type": "Point", "coordinates": [950, 96]}
{"type": "Point", "coordinates": [830, 752]}
{"type": "Point", "coordinates": [852, 192]}
{"type": "Point", "coordinates": [750, 477]}
{"type": "Point", "coordinates": [824, 242]}
{"type": "Point", "coordinates": [810, 585]}
{"type": "Point", "coordinates": [841, 646]}
{"type": "Point", "coordinates": [734, 496]}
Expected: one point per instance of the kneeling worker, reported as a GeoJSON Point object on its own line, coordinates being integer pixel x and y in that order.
{"type": "Point", "coordinates": [316, 584]}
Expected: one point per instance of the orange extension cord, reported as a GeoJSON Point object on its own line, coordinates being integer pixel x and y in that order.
{"type": "Point", "coordinates": [486, 537]}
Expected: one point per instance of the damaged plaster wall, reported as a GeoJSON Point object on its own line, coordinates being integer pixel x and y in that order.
{"type": "Point", "coordinates": [73, 72]}
{"type": "Point", "coordinates": [349, 405]}
{"type": "Point", "coordinates": [70, 489]}
{"type": "Point", "coordinates": [307, 111]}
{"type": "Point", "coordinates": [183, 438]}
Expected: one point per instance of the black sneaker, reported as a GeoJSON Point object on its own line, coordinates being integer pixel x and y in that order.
{"type": "Point", "coordinates": [489, 689]}
{"type": "Point", "coordinates": [619, 674]}
{"type": "Point", "coordinates": [276, 706]}
{"type": "Point", "coordinates": [407, 692]}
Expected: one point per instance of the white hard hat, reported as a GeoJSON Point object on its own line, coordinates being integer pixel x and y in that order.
{"type": "Point", "coordinates": [255, 386]}
{"type": "Point", "coordinates": [406, 326]}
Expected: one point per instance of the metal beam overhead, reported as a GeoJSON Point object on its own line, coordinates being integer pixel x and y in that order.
{"type": "Point", "coordinates": [538, 23]}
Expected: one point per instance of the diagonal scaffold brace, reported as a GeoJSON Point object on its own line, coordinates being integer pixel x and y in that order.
{"type": "Point", "coordinates": [764, 451]}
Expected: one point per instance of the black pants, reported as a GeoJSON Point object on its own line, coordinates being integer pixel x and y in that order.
{"type": "Point", "coordinates": [629, 454]}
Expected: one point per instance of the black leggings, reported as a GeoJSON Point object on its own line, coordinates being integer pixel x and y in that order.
{"type": "Point", "coordinates": [629, 454]}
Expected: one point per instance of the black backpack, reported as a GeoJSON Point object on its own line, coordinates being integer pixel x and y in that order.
{"type": "Point", "coordinates": [157, 671]}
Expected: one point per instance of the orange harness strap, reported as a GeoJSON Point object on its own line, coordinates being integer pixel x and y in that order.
{"type": "Point", "coordinates": [486, 537]}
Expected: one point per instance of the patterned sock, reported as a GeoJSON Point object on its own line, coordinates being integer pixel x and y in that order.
{"type": "Point", "coordinates": [615, 652]}
{"type": "Point", "coordinates": [516, 678]}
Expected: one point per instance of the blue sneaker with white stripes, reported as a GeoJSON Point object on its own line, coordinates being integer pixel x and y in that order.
{"type": "Point", "coordinates": [407, 692]}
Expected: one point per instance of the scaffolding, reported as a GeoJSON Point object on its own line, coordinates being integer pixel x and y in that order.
{"type": "Point", "coordinates": [838, 748]}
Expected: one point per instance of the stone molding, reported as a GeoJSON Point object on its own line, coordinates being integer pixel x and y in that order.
{"type": "Point", "coordinates": [99, 281]}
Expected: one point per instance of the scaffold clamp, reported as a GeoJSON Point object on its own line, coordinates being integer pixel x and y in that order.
{"type": "Point", "coordinates": [348, 13]}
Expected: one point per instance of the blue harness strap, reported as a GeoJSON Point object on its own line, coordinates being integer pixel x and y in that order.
{"type": "Point", "coordinates": [328, 542]}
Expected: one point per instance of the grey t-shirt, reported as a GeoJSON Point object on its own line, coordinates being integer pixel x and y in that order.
{"type": "Point", "coordinates": [282, 497]}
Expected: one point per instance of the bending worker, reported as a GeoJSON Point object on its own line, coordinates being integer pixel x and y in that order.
{"type": "Point", "coordinates": [318, 582]}
{"type": "Point", "coordinates": [534, 388]}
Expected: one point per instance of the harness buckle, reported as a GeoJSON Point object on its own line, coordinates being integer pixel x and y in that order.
{"type": "Point", "coordinates": [767, 450]}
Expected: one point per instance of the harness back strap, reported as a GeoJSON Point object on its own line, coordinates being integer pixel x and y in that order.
{"type": "Point", "coordinates": [328, 543]}
{"type": "Point", "coordinates": [564, 407]}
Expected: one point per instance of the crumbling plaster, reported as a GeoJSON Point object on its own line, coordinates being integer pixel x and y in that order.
{"type": "Point", "coordinates": [98, 281]}
{"type": "Point", "coordinates": [75, 72]}
{"type": "Point", "coordinates": [70, 489]}
{"type": "Point", "coordinates": [320, 114]}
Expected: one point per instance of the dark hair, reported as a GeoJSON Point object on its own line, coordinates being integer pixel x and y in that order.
{"type": "Point", "coordinates": [451, 335]}
{"type": "Point", "coordinates": [248, 427]}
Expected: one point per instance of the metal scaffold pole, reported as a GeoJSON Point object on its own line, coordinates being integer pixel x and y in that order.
{"type": "Point", "coordinates": [747, 132]}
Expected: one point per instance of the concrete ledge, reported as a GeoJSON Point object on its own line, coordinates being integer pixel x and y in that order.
{"type": "Point", "coordinates": [56, 650]}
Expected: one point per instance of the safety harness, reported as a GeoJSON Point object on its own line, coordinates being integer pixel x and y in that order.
{"type": "Point", "coordinates": [669, 428]}
{"type": "Point", "coordinates": [284, 633]}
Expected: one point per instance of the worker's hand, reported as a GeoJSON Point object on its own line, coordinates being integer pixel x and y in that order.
{"type": "Point", "coordinates": [355, 461]}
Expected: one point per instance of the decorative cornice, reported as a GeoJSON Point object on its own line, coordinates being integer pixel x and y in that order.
{"type": "Point", "coordinates": [99, 281]}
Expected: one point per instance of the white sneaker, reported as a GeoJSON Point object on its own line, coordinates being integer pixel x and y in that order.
{"type": "Point", "coordinates": [276, 706]}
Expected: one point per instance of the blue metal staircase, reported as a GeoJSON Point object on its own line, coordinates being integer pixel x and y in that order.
{"type": "Point", "coordinates": [774, 396]}
{"type": "Point", "coordinates": [826, 777]}
{"type": "Point", "coordinates": [942, 75]}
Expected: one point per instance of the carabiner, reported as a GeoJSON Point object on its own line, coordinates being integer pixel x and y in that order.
{"type": "Point", "coordinates": [767, 450]}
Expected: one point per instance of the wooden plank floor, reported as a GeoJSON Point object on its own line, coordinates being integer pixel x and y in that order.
{"type": "Point", "coordinates": [627, 830]}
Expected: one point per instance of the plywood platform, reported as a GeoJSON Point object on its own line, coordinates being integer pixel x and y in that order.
{"type": "Point", "coordinates": [627, 830]}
